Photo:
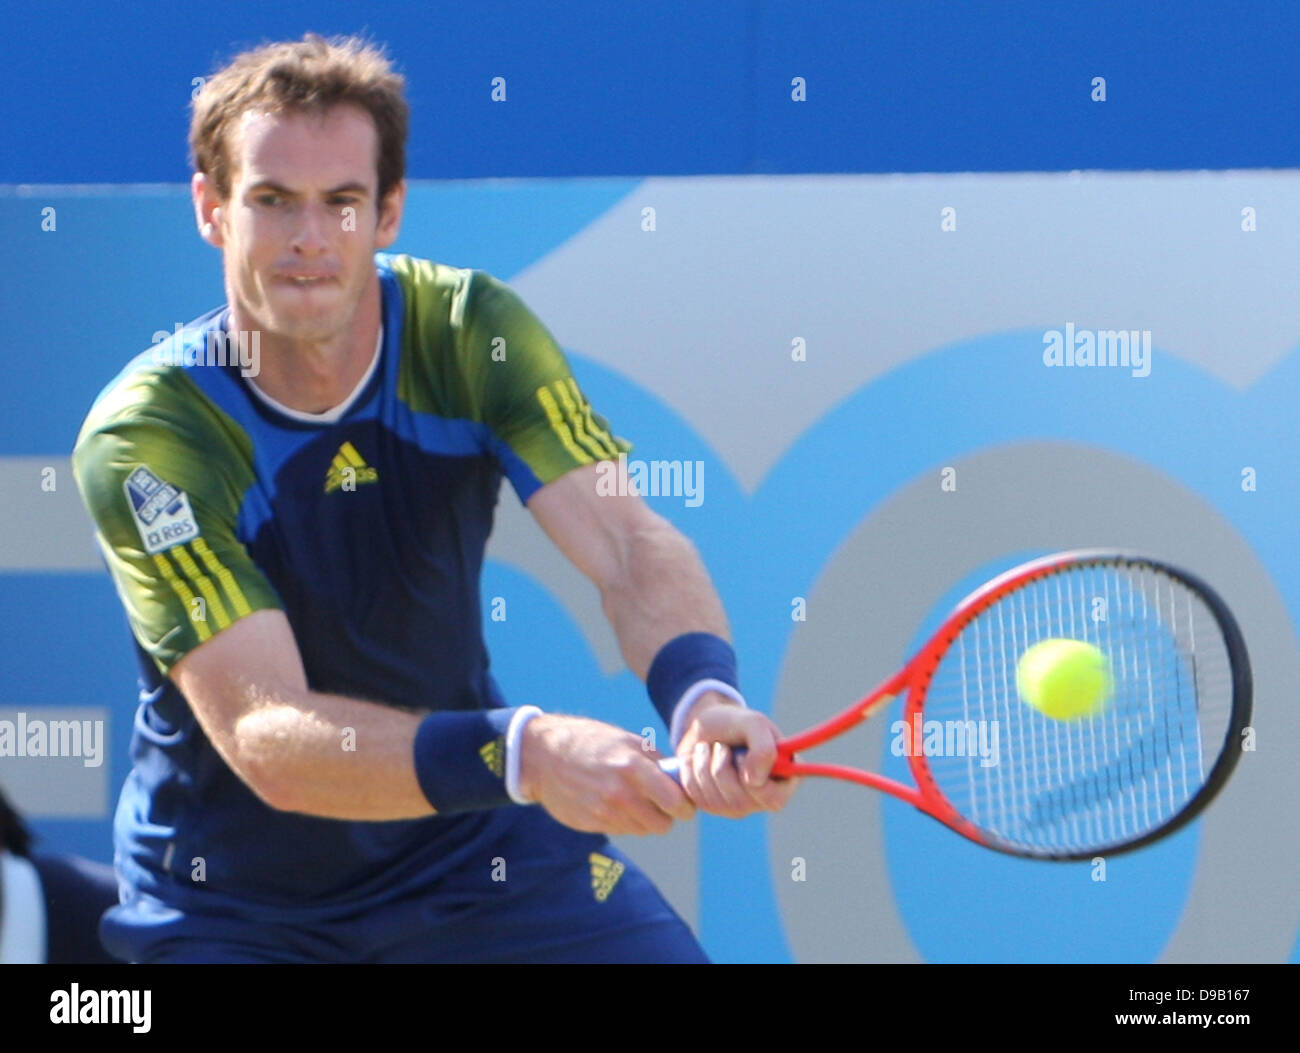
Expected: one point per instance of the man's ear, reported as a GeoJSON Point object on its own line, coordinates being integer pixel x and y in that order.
{"type": "Point", "coordinates": [208, 210]}
{"type": "Point", "coordinates": [390, 215]}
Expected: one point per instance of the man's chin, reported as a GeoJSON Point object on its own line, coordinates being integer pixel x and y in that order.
{"type": "Point", "coordinates": [300, 327]}
{"type": "Point", "coordinates": [313, 316]}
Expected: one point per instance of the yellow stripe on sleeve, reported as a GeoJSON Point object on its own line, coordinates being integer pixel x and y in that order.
{"type": "Point", "coordinates": [183, 591]}
{"type": "Point", "coordinates": [559, 426]}
{"type": "Point", "coordinates": [228, 582]}
{"type": "Point", "coordinates": [191, 571]}
{"type": "Point", "coordinates": [594, 429]}
{"type": "Point", "coordinates": [574, 414]}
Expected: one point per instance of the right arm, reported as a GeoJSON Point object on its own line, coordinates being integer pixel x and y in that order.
{"type": "Point", "coordinates": [248, 691]}
{"type": "Point", "coordinates": [290, 745]}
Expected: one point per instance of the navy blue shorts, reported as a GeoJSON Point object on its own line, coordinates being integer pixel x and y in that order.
{"type": "Point", "coordinates": [602, 909]}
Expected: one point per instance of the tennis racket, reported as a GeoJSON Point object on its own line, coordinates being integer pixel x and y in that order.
{"type": "Point", "coordinates": [1138, 769]}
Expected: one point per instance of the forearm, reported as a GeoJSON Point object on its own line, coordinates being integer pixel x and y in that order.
{"type": "Point", "coordinates": [669, 621]}
{"type": "Point", "coordinates": [663, 593]}
{"type": "Point", "coordinates": [659, 590]}
{"type": "Point", "coordinates": [330, 756]}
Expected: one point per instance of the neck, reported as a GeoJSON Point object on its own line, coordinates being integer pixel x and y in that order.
{"type": "Point", "coordinates": [315, 376]}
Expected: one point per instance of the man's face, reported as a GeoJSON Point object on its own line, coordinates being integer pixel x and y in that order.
{"type": "Point", "coordinates": [302, 223]}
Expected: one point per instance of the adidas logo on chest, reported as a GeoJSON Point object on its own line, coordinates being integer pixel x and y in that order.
{"type": "Point", "coordinates": [348, 470]}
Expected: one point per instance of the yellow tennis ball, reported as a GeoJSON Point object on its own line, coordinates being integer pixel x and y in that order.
{"type": "Point", "coordinates": [1064, 679]}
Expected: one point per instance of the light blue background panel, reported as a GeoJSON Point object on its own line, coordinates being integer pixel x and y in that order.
{"type": "Point", "coordinates": [821, 401]}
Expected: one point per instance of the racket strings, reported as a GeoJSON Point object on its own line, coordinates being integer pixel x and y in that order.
{"type": "Point", "coordinates": [1049, 786]}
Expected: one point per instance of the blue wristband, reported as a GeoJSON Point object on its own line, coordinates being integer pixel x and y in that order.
{"type": "Point", "coordinates": [684, 661]}
{"type": "Point", "coordinates": [460, 759]}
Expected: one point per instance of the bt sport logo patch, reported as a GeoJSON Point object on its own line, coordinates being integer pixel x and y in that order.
{"type": "Point", "coordinates": [162, 513]}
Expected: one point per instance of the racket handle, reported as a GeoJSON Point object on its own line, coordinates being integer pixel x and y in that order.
{"type": "Point", "coordinates": [670, 765]}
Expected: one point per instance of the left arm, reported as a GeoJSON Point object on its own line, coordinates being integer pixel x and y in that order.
{"type": "Point", "coordinates": [654, 587]}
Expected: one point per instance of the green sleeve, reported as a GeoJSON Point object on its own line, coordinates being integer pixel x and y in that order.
{"type": "Point", "coordinates": [162, 472]}
{"type": "Point", "coordinates": [473, 351]}
{"type": "Point", "coordinates": [524, 388]}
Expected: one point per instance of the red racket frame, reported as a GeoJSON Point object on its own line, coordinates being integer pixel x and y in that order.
{"type": "Point", "coordinates": [915, 677]}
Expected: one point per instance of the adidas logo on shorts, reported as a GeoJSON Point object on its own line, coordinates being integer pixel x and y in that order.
{"type": "Point", "coordinates": [605, 873]}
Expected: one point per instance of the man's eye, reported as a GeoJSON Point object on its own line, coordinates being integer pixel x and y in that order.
{"type": "Point", "coordinates": [270, 200]}
{"type": "Point", "coordinates": [343, 202]}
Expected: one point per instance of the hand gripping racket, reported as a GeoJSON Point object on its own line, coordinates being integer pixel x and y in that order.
{"type": "Point", "coordinates": [1138, 769]}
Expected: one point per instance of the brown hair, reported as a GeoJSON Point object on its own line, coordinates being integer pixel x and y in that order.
{"type": "Point", "coordinates": [311, 75]}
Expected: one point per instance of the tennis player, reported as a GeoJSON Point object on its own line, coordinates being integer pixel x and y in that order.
{"type": "Point", "coordinates": [293, 497]}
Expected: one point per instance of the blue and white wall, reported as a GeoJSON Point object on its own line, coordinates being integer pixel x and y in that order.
{"type": "Point", "coordinates": [830, 346]}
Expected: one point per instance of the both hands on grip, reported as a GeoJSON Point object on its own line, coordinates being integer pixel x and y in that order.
{"type": "Point", "coordinates": [598, 778]}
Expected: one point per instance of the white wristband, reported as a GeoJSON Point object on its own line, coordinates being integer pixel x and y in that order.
{"type": "Point", "coordinates": [515, 732]}
{"type": "Point", "coordinates": [683, 708]}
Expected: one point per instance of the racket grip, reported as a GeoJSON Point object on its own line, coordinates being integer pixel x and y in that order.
{"type": "Point", "coordinates": [671, 766]}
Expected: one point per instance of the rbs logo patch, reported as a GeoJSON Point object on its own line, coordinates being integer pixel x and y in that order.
{"type": "Point", "coordinates": [162, 513]}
